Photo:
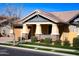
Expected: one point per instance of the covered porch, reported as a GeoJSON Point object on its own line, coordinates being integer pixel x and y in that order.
{"type": "Point", "coordinates": [41, 30]}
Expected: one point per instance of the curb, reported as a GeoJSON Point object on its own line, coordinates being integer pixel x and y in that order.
{"type": "Point", "coordinates": [20, 48]}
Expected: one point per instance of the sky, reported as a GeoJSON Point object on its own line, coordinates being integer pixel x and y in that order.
{"type": "Point", "coordinates": [47, 7]}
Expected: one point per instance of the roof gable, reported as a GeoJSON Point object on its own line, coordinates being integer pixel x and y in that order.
{"type": "Point", "coordinates": [41, 13]}
{"type": "Point", "coordinates": [57, 17]}
{"type": "Point", "coordinates": [38, 18]}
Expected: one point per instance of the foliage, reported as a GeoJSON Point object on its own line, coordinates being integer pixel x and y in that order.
{"type": "Point", "coordinates": [76, 42]}
{"type": "Point", "coordinates": [47, 41]}
{"type": "Point", "coordinates": [66, 43]}
{"type": "Point", "coordinates": [57, 43]}
{"type": "Point", "coordinates": [34, 39]}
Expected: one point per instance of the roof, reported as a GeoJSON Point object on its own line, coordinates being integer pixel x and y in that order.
{"type": "Point", "coordinates": [66, 15]}
{"type": "Point", "coordinates": [63, 16]}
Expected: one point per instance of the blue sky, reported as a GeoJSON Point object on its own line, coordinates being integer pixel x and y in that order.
{"type": "Point", "coordinates": [48, 7]}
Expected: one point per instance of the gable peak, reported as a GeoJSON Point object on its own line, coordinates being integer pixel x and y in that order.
{"type": "Point", "coordinates": [38, 10]}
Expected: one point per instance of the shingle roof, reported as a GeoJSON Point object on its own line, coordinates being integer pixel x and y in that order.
{"type": "Point", "coordinates": [63, 16]}
{"type": "Point", "coordinates": [66, 15]}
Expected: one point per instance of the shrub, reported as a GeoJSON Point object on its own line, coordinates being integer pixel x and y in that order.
{"type": "Point", "coordinates": [76, 42]}
{"type": "Point", "coordinates": [66, 43]}
{"type": "Point", "coordinates": [47, 41]}
{"type": "Point", "coordinates": [33, 39]}
{"type": "Point", "coordinates": [57, 43]}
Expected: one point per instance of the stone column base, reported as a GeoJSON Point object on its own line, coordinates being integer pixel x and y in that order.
{"type": "Point", "coordinates": [55, 37]}
{"type": "Point", "coordinates": [38, 37]}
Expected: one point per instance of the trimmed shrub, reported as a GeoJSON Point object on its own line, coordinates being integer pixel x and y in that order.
{"type": "Point", "coordinates": [66, 43]}
{"type": "Point", "coordinates": [33, 39]}
{"type": "Point", "coordinates": [48, 41]}
{"type": "Point", "coordinates": [76, 42]}
{"type": "Point", "coordinates": [57, 43]}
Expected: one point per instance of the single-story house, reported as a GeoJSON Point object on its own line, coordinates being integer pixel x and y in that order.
{"type": "Point", "coordinates": [56, 25]}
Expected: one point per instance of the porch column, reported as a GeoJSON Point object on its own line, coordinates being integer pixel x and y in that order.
{"type": "Point", "coordinates": [38, 31]}
{"type": "Point", "coordinates": [55, 32]}
{"type": "Point", "coordinates": [25, 31]}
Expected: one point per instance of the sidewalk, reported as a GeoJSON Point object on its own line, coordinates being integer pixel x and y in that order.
{"type": "Point", "coordinates": [62, 54]}
{"type": "Point", "coordinates": [50, 48]}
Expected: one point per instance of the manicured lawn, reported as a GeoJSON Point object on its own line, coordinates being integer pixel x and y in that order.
{"type": "Point", "coordinates": [50, 45]}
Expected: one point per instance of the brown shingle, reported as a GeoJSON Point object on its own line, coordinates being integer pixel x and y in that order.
{"type": "Point", "coordinates": [66, 15]}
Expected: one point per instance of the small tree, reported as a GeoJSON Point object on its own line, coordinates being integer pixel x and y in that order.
{"type": "Point", "coordinates": [13, 13]}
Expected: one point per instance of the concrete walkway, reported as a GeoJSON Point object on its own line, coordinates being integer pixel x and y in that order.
{"type": "Point", "coordinates": [62, 54]}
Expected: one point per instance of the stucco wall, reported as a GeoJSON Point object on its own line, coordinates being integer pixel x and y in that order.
{"type": "Point", "coordinates": [17, 33]}
{"type": "Point", "coordinates": [70, 35]}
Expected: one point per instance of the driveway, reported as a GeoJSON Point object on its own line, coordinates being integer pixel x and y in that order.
{"type": "Point", "coordinates": [5, 39]}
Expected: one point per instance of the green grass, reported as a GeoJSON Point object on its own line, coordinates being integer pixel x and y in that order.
{"type": "Point", "coordinates": [50, 45]}
{"type": "Point", "coordinates": [6, 44]}
{"type": "Point", "coordinates": [42, 44]}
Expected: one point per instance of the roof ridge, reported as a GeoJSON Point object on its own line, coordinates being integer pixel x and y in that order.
{"type": "Point", "coordinates": [64, 11]}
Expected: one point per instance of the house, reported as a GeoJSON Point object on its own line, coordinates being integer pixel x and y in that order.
{"type": "Point", "coordinates": [56, 25]}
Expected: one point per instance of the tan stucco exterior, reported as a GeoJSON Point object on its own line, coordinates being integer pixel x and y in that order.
{"type": "Point", "coordinates": [70, 36]}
